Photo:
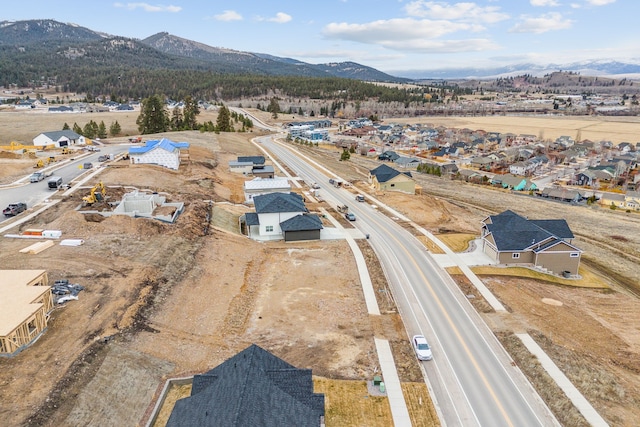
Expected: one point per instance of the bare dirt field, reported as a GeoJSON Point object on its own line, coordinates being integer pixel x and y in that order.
{"type": "Point", "coordinates": [172, 300]}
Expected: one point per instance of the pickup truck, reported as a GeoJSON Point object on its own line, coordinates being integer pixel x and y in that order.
{"type": "Point", "coordinates": [36, 177]}
{"type": "Point", "coordinates": [14, 209]}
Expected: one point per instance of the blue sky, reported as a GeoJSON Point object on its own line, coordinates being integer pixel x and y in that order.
{"type": "Point", "coordinates": [390, 35]}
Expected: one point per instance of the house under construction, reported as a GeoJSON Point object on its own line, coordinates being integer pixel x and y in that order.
{"type": "Point", "coordinates": [24, 308]}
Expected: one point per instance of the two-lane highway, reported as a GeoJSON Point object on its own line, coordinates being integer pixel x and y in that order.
{"type": "Point", "coordinates": [35, 193]}
{"type": "Point", "coordinates": [471, 377]}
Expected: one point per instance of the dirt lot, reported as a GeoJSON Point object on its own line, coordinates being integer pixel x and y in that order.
{"type": "Point", "coordinates": [172, 300]}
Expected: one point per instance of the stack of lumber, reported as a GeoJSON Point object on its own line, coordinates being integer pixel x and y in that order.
{"type": "Point", "coordinates": [36, 248]}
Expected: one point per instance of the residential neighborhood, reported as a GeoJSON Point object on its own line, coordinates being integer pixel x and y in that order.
{"type": "Point", "coordinates": [590, 171]}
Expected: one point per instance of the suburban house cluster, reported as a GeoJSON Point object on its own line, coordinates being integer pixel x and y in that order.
{"type": "Point", "coordinates": [518, 162]}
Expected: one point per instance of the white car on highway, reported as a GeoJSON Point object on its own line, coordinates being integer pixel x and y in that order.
{"type": "Point", "coordinates": [421, 347]}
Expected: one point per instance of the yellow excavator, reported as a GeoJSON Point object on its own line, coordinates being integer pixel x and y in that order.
{"type": "Point", "coordinates": [44, 162]}
{"type": "Point", "coordinates": [97, 194]}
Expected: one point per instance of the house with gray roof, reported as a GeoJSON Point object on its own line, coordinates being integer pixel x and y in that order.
{"type": "Point", "coordinates": [252, 388]}
{"type": "Point", "coordinates": [511, 239]}
{"type": "Point", "coordinates": [59, 138]}
{"type": "Point", "coordinates": [276, 217]}
{"type": "Point", "coordinates": [248, 164]}
{"type": "Point", "coordinates": [385, 178]}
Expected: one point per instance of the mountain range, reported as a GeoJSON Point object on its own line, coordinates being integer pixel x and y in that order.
{"type": "Point", "coordinates": [163, 50]}
{"type": "Point", "coordinates": [23, 43]}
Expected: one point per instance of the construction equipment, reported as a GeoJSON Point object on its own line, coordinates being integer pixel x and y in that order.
{"type": "Point", "coordinates": [44, 162]}
{"type": "Point", "coordinates": [66, 150]}
{"type": "Point", "coordinates": [97, 194]}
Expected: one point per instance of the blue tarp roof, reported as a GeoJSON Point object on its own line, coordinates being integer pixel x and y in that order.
{"type": "Point", "coordinates": [164, 143]}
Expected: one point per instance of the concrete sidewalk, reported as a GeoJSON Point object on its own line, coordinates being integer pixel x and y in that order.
{"type": "Point", "coordinates": [398, 405]}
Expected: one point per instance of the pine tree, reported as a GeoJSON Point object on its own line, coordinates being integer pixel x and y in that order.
{"type": "Point", "coordinates": [190, 113]}
{"type": "Point", "coordinates": [102, 130]}
{"type": "Point", "coordinates": [153, 117]}
{"type": "Point", "coordinates": [115, 129]}
{"type": "Point", "coordinates": [223, 122]}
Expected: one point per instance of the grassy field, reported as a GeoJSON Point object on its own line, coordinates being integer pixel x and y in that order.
{"type": "Point", "coordinates": [588, 278]}
{"type": "Point", "coordinates": [456, 242]}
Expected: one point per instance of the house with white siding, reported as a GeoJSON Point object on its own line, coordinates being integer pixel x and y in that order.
{"type": "Point", "coordinates": [163, 152]}
{"type": "Point", "coordinates": [59, 138]}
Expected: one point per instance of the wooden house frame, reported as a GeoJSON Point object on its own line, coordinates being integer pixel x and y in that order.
{"type": "Point", "coordinates": [24, 308]}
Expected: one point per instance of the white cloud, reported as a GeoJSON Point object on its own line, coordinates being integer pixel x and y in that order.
{"type": "Point", "coordinates": [147, 7]}
{"type": "Point", "coordinates": [600, 2]}
{"type": "Point", "coordinates": [395, 29]}
{"type": "Point", "coordinates": [541, 24]}
{"type": "Point", "coordinates": [228, 15]}
{"type": "Point", "coordinates": [458, 11]}
{"type": "Point", "coordinates": [280, 18]}
{"type": "Point", "coordinates": [409, 35]}
{"type": "Point", "coordinates": [544, 3]}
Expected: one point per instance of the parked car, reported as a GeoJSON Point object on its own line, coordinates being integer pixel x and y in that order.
{"type": "Point", "coordinates": [421, 347]}
{"type": "Point", "coordinates": [87, 165]}
{"type": "Point", "coordinates": [350, 216]}
{"type": "Point", "coordinates": [36, 177]}
{"type": "Point", "coordinates": [103, 158]}
{"type": "Point", "coordinates": [14, 209]}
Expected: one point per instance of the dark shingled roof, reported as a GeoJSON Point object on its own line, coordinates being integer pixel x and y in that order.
{"type": "Point", "coordinates": [384, 173]}
{"type": "Point", "coordinates": [256, 160]}
{"type": "Point", "coordinates": [253, 388]}
{"type": "Point", "coordinates": [252, 218]}
{"type": "Point", "coordinates": [279, 202]}
{"type": "Point", "coordinates": [302, 223]}
{"type": "Point", "coordinates": [512, 232]}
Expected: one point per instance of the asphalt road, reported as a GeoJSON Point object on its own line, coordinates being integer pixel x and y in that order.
{"type": "Point", "coordinates": [471, 377]}
{"type": "Point", "coordinates": [37, 192]}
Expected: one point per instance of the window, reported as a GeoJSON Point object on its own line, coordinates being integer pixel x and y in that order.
{"type": "Point", "coordinates": [269, 228]}
{"type": "Point", "coordinates": [393, 185]}
{"type": "Point", "coordinates": [515, 256]}
{"type": "Point", "coordinates": [574, 255]}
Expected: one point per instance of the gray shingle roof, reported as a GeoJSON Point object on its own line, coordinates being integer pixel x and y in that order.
{"type": "Point", "coordinates": [253, 388]}
{"type": "Point", "coordinates": [256, 160]}
{"type": "Point", "coordinates": [303, 222]}
{"type": "Point", "coordinates": [279, 202]}
{"type": "Point", "coordinates": [252, 218]}
{"type": "Point", "coordinates": [57, 134]}
{"type": "Point", "coordinates": [512, 232]}
{"type": "Point", "coordinates": [384, 173]}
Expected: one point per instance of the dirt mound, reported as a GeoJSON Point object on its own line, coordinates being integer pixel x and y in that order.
{"type": "Point", "coordinates": [9, 155]}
